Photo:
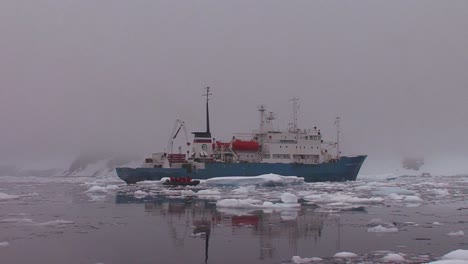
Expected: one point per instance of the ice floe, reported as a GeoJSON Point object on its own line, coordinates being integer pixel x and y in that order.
{"type": "Point", "coordinates": [289, 198]}
{"type": "Point", "coordinates": [345, 255]}
{"type": "Point", "coordinates": [4, 196]}
{"type": "Point", "coordinates": [382, 229]}
{"type": "Point", "coordinates": [243, 190]}
{"type": "Point", "coordinates": [17, 220]}
{"type": "Point", "coordinates": [140, 194]}
{"type": "Point", "coordinates": [101, 189]}
{"type": "Point", "coordinates": [28, 221]}
{"type": "Point", "coordinates": [457, 233]}
{"type": "Point", "coordinates": [459, 256]}
{"type": "Point", "coordinates": [4, 244]}
{"type": "Point", "coordinates": [266, 179]}
{"type": "Point", "coordinates": [340, 197]}
{"type": "Point", "coordinates": [56, 223]}
{"type": "Point", "coordinates": [299, 260]}
{"type": "Point", "coordinates": [209, 192]}
{"type": "Point", "coordinates": [412, 199]}
{"type": "Point", "coordinates": [393, 257]}
{"type": "Point", "coordinates": [381, 226]}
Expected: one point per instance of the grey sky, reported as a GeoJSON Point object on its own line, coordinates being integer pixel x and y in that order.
{"type": "Point", "coordinates": [80, 75]}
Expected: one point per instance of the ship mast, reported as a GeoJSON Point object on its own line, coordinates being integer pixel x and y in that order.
{"type": "Point", "coordinates": [293, 125]}
{"type": "Point", "coordinates": [207, 110]}
{"type": "Point", "coordinates": [338, 131]}
{"type": "Point", "coordinates": [262, 110]}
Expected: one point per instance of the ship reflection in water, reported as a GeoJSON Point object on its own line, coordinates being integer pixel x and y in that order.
{"type": "Point", "coordinates": [280, 234]}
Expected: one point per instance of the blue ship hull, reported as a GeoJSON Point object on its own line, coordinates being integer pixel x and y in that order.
{"type": "Point", "coordinates": [345, 169]}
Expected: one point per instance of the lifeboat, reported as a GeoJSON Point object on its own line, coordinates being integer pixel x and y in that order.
{"type": "Point", "coordinates": [245, 145]}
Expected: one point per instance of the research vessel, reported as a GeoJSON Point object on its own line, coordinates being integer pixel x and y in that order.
{"type": "Point", "coordinates": [290, 152]}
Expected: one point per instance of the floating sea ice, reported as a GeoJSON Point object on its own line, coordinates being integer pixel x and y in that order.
{"type": "Point", "coordinates": [239, 203]}
{"type": "Point", "coordinates": [299, 260]}
{"type": "Point", "coordinates": [436, 223]}
{"type": "Point", "coordinates": [4, 196]}
{"type": "Point", "coordinates": [140, 194]}
{"type": "Point", "coordinates": [458, 233]}
{"type": "Point", "coordinates": [345, 255]}
{"type": "Point", "coordinates": [459, 254]}
{"type": "Point", "coordinates": [382, 229]}
{"type": "Point", "coordinates": [56, 223]}
{"type": "Point", "coordinates": [4, 244]}
{"type": "Point", "coordinates": [100, 189]}
{"type": "Point", "coordinates": [17, 220]}
{"type": "Point", "coordinates": [243, 190]}
{"type": "Point", "coordinates": [112, 187]}
{"type": "Point", "coordinates": [208, 192]}
{"type": "Point", "coordinates": [395, 196]}
{"type": "Point", "coordinates": [392, 257]}
{"type": "Point", "coordinates": [449, 261]}
{"type": "Point", "coordinates": [266, 179]}
{"type": "Point", "coordinates": [289, 198]}
{"type": "Point", "coordinates": [413, 199]}
{"type": "Point", "coordinates": [187, 193]}
{"type": "Point", "coordinates": [337, 197]}
{"type": "Point", "coordinates": [391, 190]}
{"type": "Point", "coordinates": [440, 192]}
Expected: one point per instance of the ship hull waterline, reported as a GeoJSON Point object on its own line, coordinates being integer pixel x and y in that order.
{"type": "Point", "coordinates": [345, 169]}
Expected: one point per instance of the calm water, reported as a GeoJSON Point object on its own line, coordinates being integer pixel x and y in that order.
{"type": "Point", "coordinates": [54, 220]}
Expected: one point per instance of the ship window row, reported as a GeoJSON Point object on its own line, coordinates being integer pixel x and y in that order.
{"type": "Point", "coordinates": [300, 147]}
{"type": "Point", "coordinates": [312, 137]}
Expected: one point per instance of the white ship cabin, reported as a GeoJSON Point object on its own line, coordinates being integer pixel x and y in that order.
{"type": "Point", "coordinates": [294, 145]}
{"type": "Point", "coordinates": [268, 145]}
{"type": "Point", "coordinates": [265, 145]}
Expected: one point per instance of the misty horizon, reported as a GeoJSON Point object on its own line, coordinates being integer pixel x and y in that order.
{"type": "Point", "coordinates": [82, 76]}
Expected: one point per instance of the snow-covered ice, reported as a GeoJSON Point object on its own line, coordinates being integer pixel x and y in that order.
{"type": "Point", "coordinates": [460, 254]}
{"type": "Point", "coordinates": [393, 257]}
{"type": "Point", "coordinates": [299, 260]}
{"type": "Point", "coordinates": [140, 194]}
{"type": "Point", "coordinates": [456, 233]}
{"type": "Point", "coordinates": [4, 244]}
{"type": "Point", "coordinates": [4, 196]}
{"type": "Point", "coordinates": [58, 222]}
{"type": "Point", "coordinates": [345, 255]}
{"type": "Point", "coordinates": [266, 179]}
{"type": "Point", "coordinates": [289, 198]}
{"type": "Point", "coordinates": [102, 189]}
{"type": "Point", "coordinates": [382, 229]}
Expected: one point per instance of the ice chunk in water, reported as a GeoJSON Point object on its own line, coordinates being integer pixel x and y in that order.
{"type": "Point", "coordinates": [458, 233]}
{"type": "Point", "coordinates": [392, 257]}
{"type": "Point", "coordinates": [140, 194]}
{"type": "Point", "coordinates": [266, 179]}
{"type": "Point", "coordinates": [4, 244]}
{"type": "Point", "coordinates": [413, 199]}
{"type": "Point", "coordinates": [4, 196]}
{"type": "Point", "coordinates": [382, 229]}
{"type": "Point", "coordinates": [288, 198]}
{"type": "Point", "coordinates": [459, 254]}
{"type": "Point", "coordinates": [345, 255]}
{"type": "Point", "coordinates": [299, 260]}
